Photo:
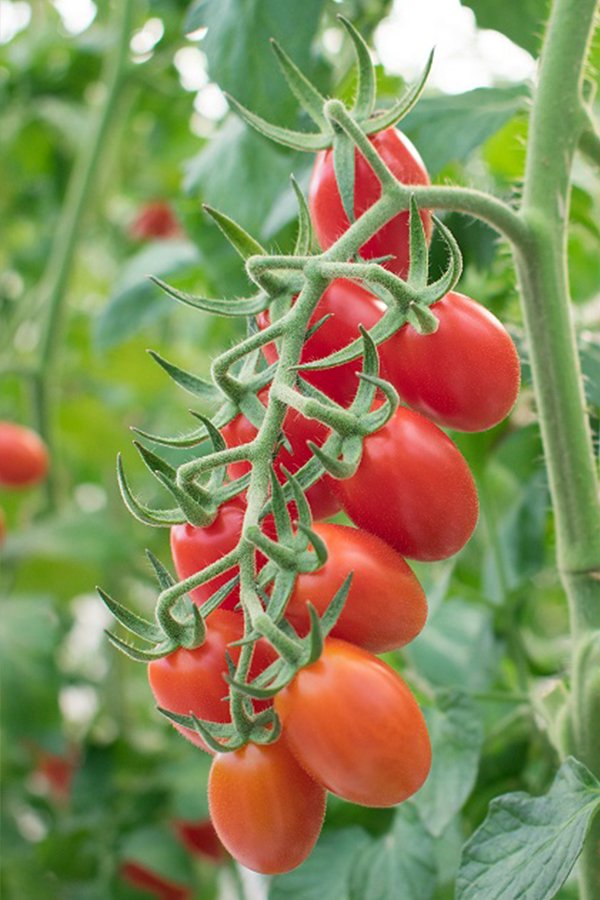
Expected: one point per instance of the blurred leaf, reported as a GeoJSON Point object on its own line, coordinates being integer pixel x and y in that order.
{"type": "Point", "coordinates": [450, 127]}
{"type": "Point", "coordinates": [528, 845]}
{"type": "Point", "coordinates": [158, 849]}
{"type": "Point", "coordinates": [589, 354]}
{"type": "Point", "coordinates": [520, 20]}
{"type": "Point", "coordinates": [399, 864]}
{"type": "Point", "coordinates": [136, 302]}
{"type": "Point", "coordinates": [456, 733]}
{"type": "Point", "coordinates": [326, 873]}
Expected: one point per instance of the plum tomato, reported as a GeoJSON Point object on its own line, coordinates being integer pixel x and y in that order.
{"type": "Point", "coordinates": [354, 725]}
{"type": "Point", "coordinates": [23, 456]}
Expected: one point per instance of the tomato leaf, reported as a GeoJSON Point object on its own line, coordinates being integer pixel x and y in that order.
{"type": "Point", "coordinates": [520, 20]}
{"type": "Point", "coordinates": [456, 733]}
{"type": "Point", "coordinates": [398, 864]}
{"type": "Point", "coordinates": [527, 845]}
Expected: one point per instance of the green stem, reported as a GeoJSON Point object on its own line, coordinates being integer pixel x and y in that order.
{"type": "Point", "coordinates": [55, 280]}
{"type": "Point", "coordinates": [556, 127]}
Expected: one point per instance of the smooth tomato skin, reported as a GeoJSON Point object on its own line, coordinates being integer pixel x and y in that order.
{"type": "Point", "coordinates": [298, 431]}
{"type": "Point", "coordinates": [413, 489]}
{"type": "Point", "coordinates": [354, 725]}
{"type": "Point", "coordinates": [23, 456]}
{"type": "Point", "coordinates": [201, 839]}
{"type": "Point", "coordinates": [266, 809]}
{"type": "Point", "coordinates": [349, 306]}
{"type": "Point", "coordinates": [139, 876]}
{"type": "Point", "coordinates": [329, 217]}
{"type": "Point", "coordinates": [464, 376]}
{"type": "Point", "coordinates": [386, 606]}
{"type": "Point", "coordinates": [192, 681]}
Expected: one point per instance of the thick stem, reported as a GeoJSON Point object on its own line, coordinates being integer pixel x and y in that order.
{"type": "Point", "coordinates": [56, 276]}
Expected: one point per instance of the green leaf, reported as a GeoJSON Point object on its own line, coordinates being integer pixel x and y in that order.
{"type": "Point", "coordinates": [237, 47]}
{"type": "Point", "coordinates": [449, 128]}
{"type": "Point", "coordinates": [326, 873]}
{"type": "Point", "coordinates": [456, 733]}
{"type": "Point", "coordinates": [158, 850]}
{"type": "Point", "coordinates": [399, 864]}
{"type": "Point", "coordinates": [520, 20]}
{"type": "Point", "coordinates": [527, 845]}
{"type": "Point", "coordinates": [135, 303]}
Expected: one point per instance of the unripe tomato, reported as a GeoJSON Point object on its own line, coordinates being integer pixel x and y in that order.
{"type": "Point", "coordinates": [385, 607]}
{"type": "Point", "coordinates": [192, 681]}
{"type": "Point", "coordinates": [354, 725]}
{"type": "Point", "coordinates": [328, 214]}
{"type": "Point", "coordinates": [465, 375]}
{"type": "Point", "coordinates": [298, 431]}
{"type": "Point", "coordinates": [23, 456]}
{"type": "Point", "coordinates": [349, 306]}
{"type": "Point", "coordinates": [265, 808]}
{"type": "Point", "coordinates": [412, 488]}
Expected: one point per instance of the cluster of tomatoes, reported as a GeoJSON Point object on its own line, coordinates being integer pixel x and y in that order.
{"type": "Point", "coordinates": [23, 460]}
{"type": "Point", "coordinates": [350, 725]}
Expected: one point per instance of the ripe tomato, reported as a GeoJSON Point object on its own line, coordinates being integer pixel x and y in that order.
{"type": "Point", "coordinates": [354, 725]}
{"type": "Point", "coordinates": [156, 885]}
{"type": "Point", "coordinates": [266, 809]}
{"type": "Point", "coordinates": [385, 608]}
{"type": "Point", "coordinates": [465, 375]}
{"type": "Point", "coordinates": [349, 306]}
{"type": "Point", "coordinates": [192, 681]}
{"type": "Point", "coordinates": [23, 456]}
{"type": "Point", "coordinates": [201, 839]}
{"type": "Point", "coordinates": [298, 431]}
{"type": "Point", "coordinates": [328, 214]}
{"type": "Point", "coordinates": [412, 488]}
{"type": "Point", "coordinates": [194, 548]}
{"type": "Point", "coordinates": [155, 220]}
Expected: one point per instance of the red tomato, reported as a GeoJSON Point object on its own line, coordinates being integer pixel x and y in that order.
{"type": "Point", "coordinates": [267, 811]}
{"type": "Point", "coordinates": [192, 681]}
{"type": "Point", "coordinates": [412, 488]}
{"type": "Point", "coordinates": [23, 456]}
{"type": "Point", "coordinates": [298, 431]}
{"type": "Point", "coordinates": [329, 217]}
{"type": "Point", "coordinates": [385, 608]}
{"type": "Point", "coordinates": [139, 876]}
{"type": "Point", "coordinates": [57, 770]}
{"type": "Point", "coordinates": [354, 725]}
{"type": "Point", "coordinates": [349, 306]}
{"type": "Point", "coordinates": [155, 220]}
{"type": "Point", "coordinates": [201, 839]}
{"type": "Point", "coordinates": [465, 375]}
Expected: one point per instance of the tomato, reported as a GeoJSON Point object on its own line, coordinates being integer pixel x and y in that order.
{"type": "Point", "coordinates": [57, 771]}
{"type": "Point", "coordinates": [298, 430]}
{"type": "Point", "coordinates": [192, 681]}
{"type": "Point", "coordinates": [349, 306]}
{"type": "Point", "coordinates": [327, 212]}
{"type": "Point", "coordinates": [155, 220]}
{"type": "Point", "coordinates": [23, 456]}
{"type": "Point", "coordinates": [386, 606]}
{"type": "Point", "coordinates": [194, 548]}
{"type": "Point", "coordinates": [265, 808]}
{"type": "Point", "coordinates": [465, 375]}
{"type": "Point", "coordinates": [142, 877]}
{"type": "Point", "coordinates": [354, 725]}
{"type": "Point", "coordinates": [201, 839]}
{"type": "Point", "coordinates": [412, 488]}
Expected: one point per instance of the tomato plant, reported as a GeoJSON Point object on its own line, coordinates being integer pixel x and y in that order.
{"type": "Point", "coordinates": [23, 456]}
{"type": "Point", "coordinates": [329, 217]}
{"type": "Point", "coordinates": [429, 509]}
{"type": "Point", "coordinates": [386, 607]}
{"type": "Point", "coordinates": [192, 681]}
{"type": "Point", "coordinates": [265, 808]}
{"type": "Point", "coordinates": [354, 725]}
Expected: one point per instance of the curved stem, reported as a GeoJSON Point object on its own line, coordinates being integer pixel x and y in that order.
{"type": "Point", "coordinates": [56, 276]}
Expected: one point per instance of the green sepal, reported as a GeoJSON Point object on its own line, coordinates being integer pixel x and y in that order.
{"type": "Point", "coordinates": [437, 289]}
{"type": "Point", "coordinates": [377, 418]}
{"type": "Point", "coordinates": [283, 556]}
{"type": "Point", "coordinates": [184, 442]}
{"type": "Point", "coordinates": [297, 140]}
{"type": "Point", "coordinates": [299, 498]}
{"type": "Point", "coordinates": [305, 92]}
{"type": "Point", "coordinates": [422, 319]}
{"type": "Point", "coordinates": [167, 476]}
{"type": "Point", "coordinates": [419, 253]}
{"type": "Point", "coordinates": [153, 462]}
{"type": "Point", "coordinates": [139, 626]}
{"type": "Point", "coordinates": [266, 734]}
{"type": "Point", "coordinates": [215, 600]}
{"type": "Point", "coordinates": [388, 117]}
{"type": "Point", "coordinates": [238, 306]}
{"type": "Point", "coordinates": [280, 594]}
{"type": "Point", "coordinates": [201, 727]}
{"type": "Point", "coordinates": [338, 468]}
{"type": "Point", "coordinates": [365, 92]}
{"type": "Point", "coordinates": [242, 242]}
{"type": "Point", "coordinates": [188, 633]}
{"type": "Point", "coordinates": [315, 637]}
{"type": "Point", "coordinates": [163, 576]}
{"type": "Point", "coordinates": [283, 525]}
{"type": "Point", "coordinates": [159, 518]}
{"type": "Point", "coordinates": [195, 512]}
{"type": "Point", "coordinates": [188, 381]}
{"type": "Point", "coordinates": [336, 605]}
{"type": "Point", "coordinates": [136, 653]}
{"type": "Point", "coordinates": [305, 239]}
{"type": "Point", "coordinates": [343, 166]}
{"type": "Point", "coordinates": [318, 544]}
